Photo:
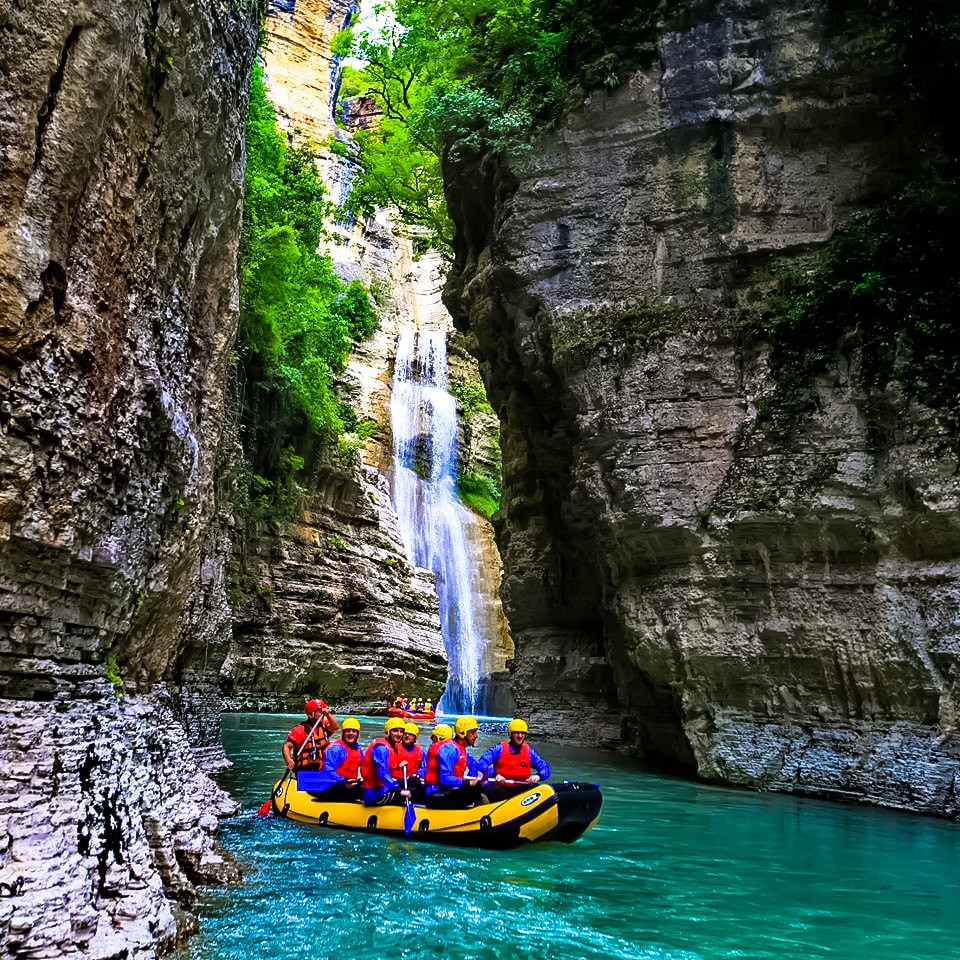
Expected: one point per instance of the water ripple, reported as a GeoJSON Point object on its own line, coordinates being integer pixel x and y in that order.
{"type": "Point", "coordinates": [673, 871]}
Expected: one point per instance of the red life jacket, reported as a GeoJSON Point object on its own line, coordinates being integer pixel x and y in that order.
{"type": "Point", "coordinates": [460, 767]}
{"type": "Point", "coordinates": [433, 767]}
{"type": "Point", "coordinates": [309, 751]}
{"type": "Point", "coordinates": [513, 766]}
{"type": "Point", "coordinates": [412, 758]}
{"type": "Point", "coordinates": [433, 771]}
{"type": "Point", "coordinates": [349, 769]}
{"type": "Point", "coordinates": [371, 776]}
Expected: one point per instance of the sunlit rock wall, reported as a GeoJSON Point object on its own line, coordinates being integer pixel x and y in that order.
{"type": "Point", "coordinates": [676, 581]}
{"type": "Point", "coordinates": [121, 160]}
{"type": "Point", "coordinates": [329, 604]}
{"type": "Point", "coordinates": [300, 68]}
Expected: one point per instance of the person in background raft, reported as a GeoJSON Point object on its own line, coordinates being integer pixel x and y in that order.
{"type": "Point", "coordinates": [380, 786]}
{"type": "Point", "coordinates": [306, 742]}
{"type": "Point", "coordinates": [513, 763]}
{"type": "Point", "coordinates": [339, 780]}
{"type": "Point", "coordinates": [411, 754]}
{"type": "Point", "coordinates": [454, 781]}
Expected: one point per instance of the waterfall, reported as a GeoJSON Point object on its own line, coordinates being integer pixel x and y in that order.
{"type": "Point", "coordinates": [424, 419]}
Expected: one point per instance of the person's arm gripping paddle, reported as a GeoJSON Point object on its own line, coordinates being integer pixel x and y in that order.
{"type": "Point", "coordinates": [264, 808]}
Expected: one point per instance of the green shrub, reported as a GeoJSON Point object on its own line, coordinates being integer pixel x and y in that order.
{"type": "Point", "coordinates": [298, 320]}
{"type": "Point", "coordinates": [113, 676]}
{"type": "Point", "coordinates": [481, 493]}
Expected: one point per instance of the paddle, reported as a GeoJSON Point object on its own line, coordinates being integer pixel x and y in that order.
{"type": "Point", "coordinates": [409, 813]}
{"type": "Point", "coordinates": [264, 808]}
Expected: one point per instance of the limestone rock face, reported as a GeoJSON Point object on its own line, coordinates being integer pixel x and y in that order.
{"type": "Point", "coordinates": [783, 617]}
{"type": "Point", "coordinates": [337, 608]}
{"type": "Point", "coordinates": [121, 128]}
{"type": "Point", "coordinates": [110, 822]}
{"type": "Point", "coordinates": [300, 68]}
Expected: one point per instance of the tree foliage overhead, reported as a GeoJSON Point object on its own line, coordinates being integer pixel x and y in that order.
{"type": "Point", "coordinates": [452, 76]}
{"type": "Point", "coordinates": [457, 75]}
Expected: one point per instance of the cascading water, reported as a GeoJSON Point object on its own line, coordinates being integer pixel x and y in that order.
{"type": "Point", "coordinates": [424, 418]}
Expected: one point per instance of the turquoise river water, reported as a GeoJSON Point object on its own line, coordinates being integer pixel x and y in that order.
{"type": "Point", "coordinates": [672, 871]}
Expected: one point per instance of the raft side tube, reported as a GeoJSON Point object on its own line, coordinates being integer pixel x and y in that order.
{"type": "Point", "coordinates": [545, 812]}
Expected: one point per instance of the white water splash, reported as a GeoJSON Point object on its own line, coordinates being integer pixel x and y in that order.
{"type": "Point", "coordinates": [424, 418]}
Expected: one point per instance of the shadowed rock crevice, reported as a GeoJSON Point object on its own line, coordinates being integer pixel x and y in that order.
{"type": "Point", "coordinates": [53, 89]}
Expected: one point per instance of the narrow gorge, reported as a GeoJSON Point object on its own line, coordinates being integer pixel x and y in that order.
{"type": "Point", "coordinates": [140, 595]}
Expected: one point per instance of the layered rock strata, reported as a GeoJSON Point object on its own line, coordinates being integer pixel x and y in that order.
{"type": "Point", "coordinates": [336, 608]}
{"type": "Point", "coordinates": [782, 616]}
{"type": "Point", "coordinates": [120, 186]}
{"type": "Point", "coordinates": [110, 823]}
{"type": "Point", "coordinates": [301, 70]}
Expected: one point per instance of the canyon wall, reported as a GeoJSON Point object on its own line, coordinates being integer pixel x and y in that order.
{"type": "Point", "coordinates": [330, 593]}
{"type": "Point", "coordinates": [120, 187]}
{"type": "Point", "coordinates": [330, 603]}
{"type": "Point", "coordinates": [681, 581]}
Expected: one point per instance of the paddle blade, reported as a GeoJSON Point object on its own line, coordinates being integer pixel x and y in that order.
{"type": "Point", "coordinates": [409, 818]}
{"type": "Point", "coordinates": [265, 808]}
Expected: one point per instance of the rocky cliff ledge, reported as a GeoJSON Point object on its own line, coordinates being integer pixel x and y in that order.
{"type": "Point", "coordinates": [120, 185]}
{"type": "Point", "coordinates": [679, 579]}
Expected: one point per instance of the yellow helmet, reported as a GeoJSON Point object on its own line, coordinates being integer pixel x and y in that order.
{"type": "Point", "coordinates": [393, 723]}
{"type": "Point", "coordinates": [411, 727]}
{"type": "Point", "coordinates": [350, 723]}
{"type": "Point", "coordinates": [442, 731]}
{"type": "Point", "coordinates": [517, 726]}
{"type": "Point", "coordinates": [465, 724]}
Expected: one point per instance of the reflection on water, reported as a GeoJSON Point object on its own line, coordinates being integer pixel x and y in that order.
{"type": "Point", "coordinates": [673, 871]}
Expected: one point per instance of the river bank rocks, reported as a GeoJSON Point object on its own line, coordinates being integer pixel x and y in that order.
{"type": "Point", "coordinates": [110, 822]}
{"type": "Point", "coordinates": [681, 580]}
{"type": "Point", "coordinates": [120, 186]}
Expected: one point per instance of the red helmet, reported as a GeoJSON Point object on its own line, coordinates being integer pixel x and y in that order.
{"type": "Point", "coordinates": [315, 705]}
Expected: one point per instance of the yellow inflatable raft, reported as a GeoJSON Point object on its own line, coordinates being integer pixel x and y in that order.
{"type": "Point", "coordinates": [547, 811]}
